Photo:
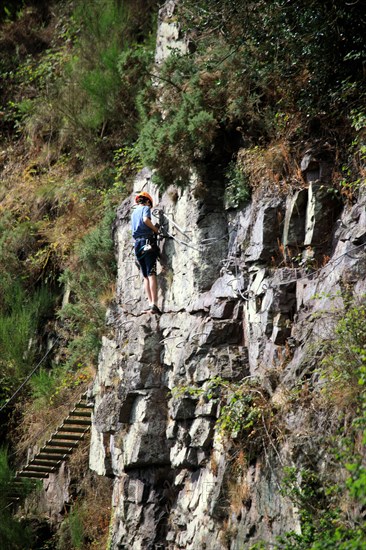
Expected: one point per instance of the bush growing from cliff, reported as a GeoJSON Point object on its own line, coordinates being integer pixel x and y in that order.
{"type": "Point", "coordinates": [331, 503]}
{"type": "Point", "coordinates": [246, 415]}
{"type": "Point", "coordinates": [95, 100]}
{"type": "Point", "coordinates": [344, 362]}
{"type": "Point", "coordinates": [87, 524]}
{"type": "Point", "coordinates": [254, 72]}
{"type": "Point", "coordinates": [19, 325]}
{"type": "Point", "coordinates": [91, 282]}
{"type": "Point", "coordinates": [14, 534]}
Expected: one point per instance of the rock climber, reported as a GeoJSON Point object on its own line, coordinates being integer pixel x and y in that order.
{"type": "Point", "coordinates": [146, 248]}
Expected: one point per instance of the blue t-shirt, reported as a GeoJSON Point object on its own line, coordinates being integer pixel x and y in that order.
{"type": "Point", "coordinates": [139, 227]}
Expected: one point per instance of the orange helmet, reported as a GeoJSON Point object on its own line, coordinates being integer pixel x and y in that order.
{"type": "Point", "coordinates": [143, 195]}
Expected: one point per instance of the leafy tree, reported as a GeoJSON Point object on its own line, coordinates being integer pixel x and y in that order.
{"type": "Point", "coordinates": [249, 65]}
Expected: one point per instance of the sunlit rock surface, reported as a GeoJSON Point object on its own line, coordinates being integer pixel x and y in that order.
{"type": "Point", "coordinates": [242, 294]}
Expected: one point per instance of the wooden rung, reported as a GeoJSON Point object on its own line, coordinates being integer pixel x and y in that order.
{"type": "Point", "coordinates": [32, 474]}
{"type": "Point", "coordinates": [84, 405]}
{"type": "Point", "coordinates": [46, 463]}
{"type": "Point", "coordinates": [71, 429]}
{"type": "Point", "coordinates": [40, 469]}
{"type": "Point", "coordinates": [85, 414]}
{"type": "Point", "coordinates": [51, 450]}
{"type": "Point", "coordinates": [59, 457]}
{"type": "Point", "coordinates": [19, 483]}
{"type": "Point", "coordinates": [77, 422]}
{"type": "Point", "coordinates": [66, 437]}
{"type": "Point", "coordinates": [67, 444]}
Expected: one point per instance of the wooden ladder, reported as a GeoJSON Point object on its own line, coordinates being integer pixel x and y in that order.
{"type": "Point", "coordinates": [58, 448]}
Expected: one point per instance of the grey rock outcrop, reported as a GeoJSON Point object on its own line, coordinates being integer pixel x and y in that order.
{"type": "Point", "coordinates": [242, 294]}
{"type": "Point", "coordinates": [241, 317]}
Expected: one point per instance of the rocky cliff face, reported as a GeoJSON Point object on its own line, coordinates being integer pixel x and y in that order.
{"type": "Point", "coordinates": [235, 308]}
{"type": "Point", "coordinates": [229, 312]}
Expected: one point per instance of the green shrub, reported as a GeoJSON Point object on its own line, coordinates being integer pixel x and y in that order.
{"type": "Point", "coordinates": [43, 384]}
{"type": "Point", "coordinates": [76, 528]}
{"type": "Point", "coordinates": [237, 191]}
{"type": "Point", "coordinates": [19, 323]}
{"type": "Point", "coordinates": [242, 68]}
{"type": "Point", "coordinates": [91, 282]}
{"type": "Point", "coordinates": [323, 523]}
{"type": "Point", "coordinates": [109, 65]}
{"type": "Point", "coordinates": [319, 496]}
{"type": "Point", "coordinates": [17, 240]}
{"type": "Point", "coordinates": [193, 105]}
{"type": "Point", "coordinates": [245, 412]}
{"type": "Point", "coordinates": [14, 534]}
{"type": "Point", "coordinates": [344, 362]}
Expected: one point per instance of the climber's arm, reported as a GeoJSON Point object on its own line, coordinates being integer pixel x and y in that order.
{"type": "Point", "coordinates": [150, 225]}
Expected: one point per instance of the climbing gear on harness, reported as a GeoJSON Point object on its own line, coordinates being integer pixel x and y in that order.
{"type": "Point", "coordinates": [146, 244]}
{"type": "Point", "coordinates": [164, 233]}
{"type": "Point", "coordinates": [143, 195]}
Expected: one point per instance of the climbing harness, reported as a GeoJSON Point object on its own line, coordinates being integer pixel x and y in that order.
{"type": "Point", "coordinates": [145, 245]}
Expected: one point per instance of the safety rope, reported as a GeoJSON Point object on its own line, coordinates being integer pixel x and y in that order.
{"type": "Point", "coordinates": [247, 296]}
{"type": "Point", "coordinates": [211, 241]}
{"type": "Point", "coordinates": [204, 243]}
{"type": "Point", "coordinates": [18, 390]}
{"type": "Point", "coordinates": [333, 263]}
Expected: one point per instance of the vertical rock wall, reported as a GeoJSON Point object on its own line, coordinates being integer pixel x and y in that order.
{"type": "Point", "coordinates": [233, 307]}
{"type": "Point", "coordinates": [228, 312]}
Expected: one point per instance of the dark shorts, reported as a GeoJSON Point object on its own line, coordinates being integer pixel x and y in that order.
{"type": "Point", "coordinates": [146, 259]}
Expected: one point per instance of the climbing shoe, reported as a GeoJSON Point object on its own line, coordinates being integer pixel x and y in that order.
{"type": "Point", "coordinates": [155, 309]}
{"type": "Point", "coordinates": [152, 309]}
